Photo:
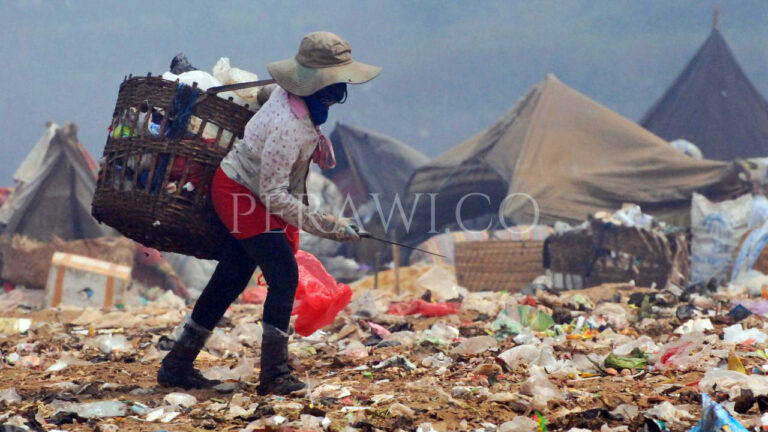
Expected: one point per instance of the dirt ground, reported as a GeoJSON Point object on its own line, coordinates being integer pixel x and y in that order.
{"type": "Point", "coordinates": [431, 397]}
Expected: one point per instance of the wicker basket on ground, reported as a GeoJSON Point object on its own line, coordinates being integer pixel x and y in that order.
{"type": "Point", "coordinates": [153, 186]}
{"type": "Point", "coordinates": [497, 265]}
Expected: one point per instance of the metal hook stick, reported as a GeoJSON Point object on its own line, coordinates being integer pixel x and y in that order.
{"type": "Point", "coordinates": [369, 236]}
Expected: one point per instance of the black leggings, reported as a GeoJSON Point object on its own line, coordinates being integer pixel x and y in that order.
{"type": "Point", "coordinates": [273, 254]}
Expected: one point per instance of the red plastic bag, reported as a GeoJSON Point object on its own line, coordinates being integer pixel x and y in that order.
{"type": "Point", "coordinates": [319, 298]}
{"type": "Point", "coordinates": [255, 295]}
{"type": "Point", "coordinates": [424, 308]}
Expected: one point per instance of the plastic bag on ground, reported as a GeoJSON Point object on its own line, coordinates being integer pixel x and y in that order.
{"type": "Point", "coordinates": [519, 424]}
{"type": "Point", "coordinates": [442, 331]}
{"type": "Point", "coordinates": [614, 314]}
{"type": "Point", "coordinates": [65, 361]}
{"type": "Point", "coordinates": [738, 335]}
{"type": "Point", "coordinates": [423, 308]}
{"type": "Point", "coordinates": [644, 343]}
{"type": "Point", "coordinates": [9, 396]}
{"type": "Point", "coordinates": [116, 343]}
{"type": "Point", "coordinates": [684, 352]}
{"type": "Point", "coordinates": [475, 345]}
{"type": "Point", "coordinates": [715, 418]}
{"type": "Point", "coordinates": [255, 295]}
{"type": "Point", "coordinates": [540, 388]}
{"type": "Point", "coordinates": [248, 333]}
{"type": "Point", "coordinates": [733, 382]}
{"type": "Point", "coordinates": [441, 282]}
{"type": "Point", "coordinates": [520, 355]}
{"type": "Point", "coordinates": [669, 413]}
{"type": "Point", "coordinates": [242, 371]}
{"type": "Point", "coordinates": [319, 298]}
{"type": "Point", "coordinates": [180, 399]}
{"type": "Point", "coordinates": [99, 409]}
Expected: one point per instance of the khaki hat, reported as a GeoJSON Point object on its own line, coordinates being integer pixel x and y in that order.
{"type": "Point", "coordinates": [324, 58]}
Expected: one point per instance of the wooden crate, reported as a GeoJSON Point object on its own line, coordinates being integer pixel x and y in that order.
{"type": "Point", "coordinates": [497, 265]}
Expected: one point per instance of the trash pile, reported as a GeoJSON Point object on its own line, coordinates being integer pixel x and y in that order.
{"type": "Point", "coordinates": [433, 357]}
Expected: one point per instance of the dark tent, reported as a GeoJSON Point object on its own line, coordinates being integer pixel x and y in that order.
{"type": "Point", "coordinates": [559, 155]}
{"type": "Point", "coordinates": [370, 162]}
{"type": "Point", "coordinates": [713, 104]}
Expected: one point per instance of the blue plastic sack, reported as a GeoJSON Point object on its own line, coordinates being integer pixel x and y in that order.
{"type": "Point", "coordinates": [715, 418]}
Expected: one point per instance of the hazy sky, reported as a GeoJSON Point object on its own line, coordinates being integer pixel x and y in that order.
{"type": "Point", "coordinates": [450, 67]}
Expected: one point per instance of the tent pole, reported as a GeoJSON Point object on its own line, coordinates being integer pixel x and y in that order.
{"type": "Point", "coordinates": [396, 257]}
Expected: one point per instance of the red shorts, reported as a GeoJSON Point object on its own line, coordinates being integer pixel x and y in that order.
{"type": "Point", "coordinates": [243, 213]}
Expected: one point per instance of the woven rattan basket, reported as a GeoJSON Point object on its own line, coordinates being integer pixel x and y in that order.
{"type": "Point", "coordinates": [154, 189]}
{"type": "Point", "coordinates": [497, 265]}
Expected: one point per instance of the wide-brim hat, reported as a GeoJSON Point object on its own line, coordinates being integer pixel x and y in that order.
{"type": "Point", "coordinates": [324, 58]}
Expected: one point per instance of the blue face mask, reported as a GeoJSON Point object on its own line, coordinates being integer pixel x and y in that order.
{"type": "Point", "coordinates": [319, 102]}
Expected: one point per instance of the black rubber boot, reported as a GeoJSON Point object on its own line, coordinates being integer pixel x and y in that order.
{"type": "Point", "coordinates": [275, 376]}
{"type": "Point", "coordinates": [177, 368]}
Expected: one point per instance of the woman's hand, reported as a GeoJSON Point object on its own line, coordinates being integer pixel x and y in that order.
{"type": "Point", "coordinates": [347, 231]}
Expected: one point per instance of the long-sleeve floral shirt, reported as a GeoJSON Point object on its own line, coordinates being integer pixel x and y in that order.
{"type": "Point", "coordinates": [273, 161]}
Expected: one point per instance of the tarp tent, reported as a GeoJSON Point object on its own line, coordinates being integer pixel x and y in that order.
{"type": "Point", "coordinates": [713, 104]}
{"type": "Point", "coordinates": [371, 162]}
{"type": "Point", "coordinates": [572, 157]}
{"type": "Point", "coordinates": [54, 189]}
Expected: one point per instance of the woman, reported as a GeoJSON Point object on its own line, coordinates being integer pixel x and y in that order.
{"type": "Point", "coordinates": [256, 193]}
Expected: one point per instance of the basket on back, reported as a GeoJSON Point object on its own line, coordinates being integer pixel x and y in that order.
{"type": "Point", "coordinates": [166, 142]}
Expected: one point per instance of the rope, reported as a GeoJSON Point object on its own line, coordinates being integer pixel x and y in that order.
{"type": "Point", "coordinates": [184, 102]}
